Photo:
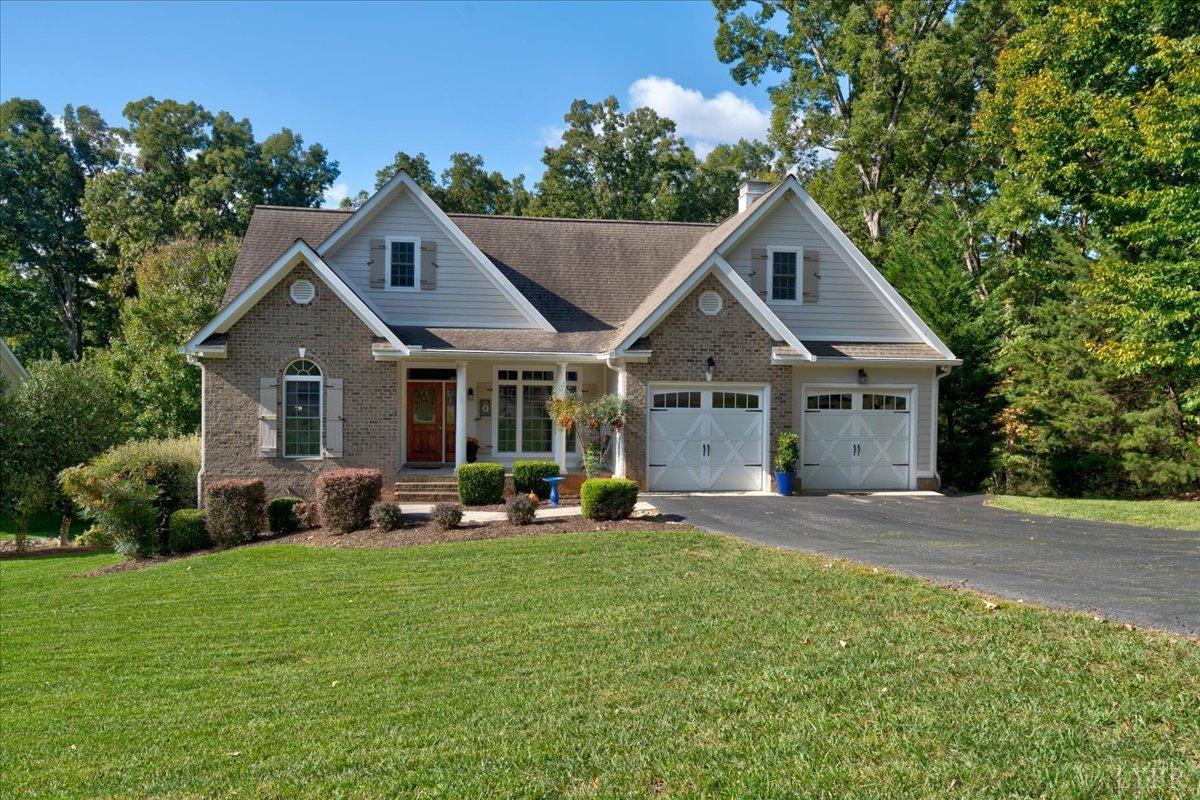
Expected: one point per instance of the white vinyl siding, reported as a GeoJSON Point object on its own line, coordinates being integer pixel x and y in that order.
{"type": "Point", "coordinates": [464, 297]}
{"type": "Point", "coordinates": [847, 309]}
{"type": "Point", "coordinates": [847, 376]}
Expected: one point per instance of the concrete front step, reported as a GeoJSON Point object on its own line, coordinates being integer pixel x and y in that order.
{"type": "Point", "coordinates": [403, 497]}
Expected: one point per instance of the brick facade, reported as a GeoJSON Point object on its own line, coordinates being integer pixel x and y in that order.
{"type": "Point", "coordinates": [681, 344]}
{"type": "Point", "coordinates": [262, 343]}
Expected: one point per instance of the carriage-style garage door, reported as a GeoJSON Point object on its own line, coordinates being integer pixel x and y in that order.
{"type": "Point", "coordinates": [706, 439]}
{"type": "Point", "coordinates": [856, 439]}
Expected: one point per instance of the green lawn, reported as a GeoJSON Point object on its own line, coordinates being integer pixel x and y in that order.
{"type": "Point", "coordinates": [42, 525]}
{"type": "Point", "coordinates": [1152, 513]}
{"type": "Point", "coordinates": [588, 665]}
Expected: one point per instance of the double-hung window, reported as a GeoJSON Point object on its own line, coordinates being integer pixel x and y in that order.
{"type": "Point", "coordinates": [785, 275]}
{"type": "Point", "coordinates": [302, 410]}
{"type": "Point", "coordinates": [523, 425]}
{"type": "Point", "coordinates": [403, 263]}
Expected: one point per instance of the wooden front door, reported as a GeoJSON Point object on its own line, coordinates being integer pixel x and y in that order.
{"type": "Point", "coordinates": [425, 415]}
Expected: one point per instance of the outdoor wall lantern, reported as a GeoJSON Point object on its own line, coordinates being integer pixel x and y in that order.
{"type": "Point", "coordinates": [708, 371]}
{"type": "Point", "coordinates": [862, 376]}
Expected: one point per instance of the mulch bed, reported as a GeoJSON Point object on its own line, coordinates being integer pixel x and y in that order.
{"type": "Point", "coordinates": [420, 531]}
{"type": "Point", "coordinates": [566, 502]}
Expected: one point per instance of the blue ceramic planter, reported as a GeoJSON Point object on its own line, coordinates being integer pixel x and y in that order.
{"type": "Point", "coordinates": [783, 482]}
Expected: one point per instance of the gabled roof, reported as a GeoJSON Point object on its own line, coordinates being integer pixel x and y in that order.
{"type": "Point", "coordinates": [594, 284]}
{"type": "Point", "coordinates": [300, 252]}
{"type": "Point", "coordinates": [402, 181]}
{"type": "Point", "coordinates": [272, 230]}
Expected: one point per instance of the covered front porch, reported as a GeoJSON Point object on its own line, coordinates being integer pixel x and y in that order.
{"type": "Point", "coordinates": [490, 409]}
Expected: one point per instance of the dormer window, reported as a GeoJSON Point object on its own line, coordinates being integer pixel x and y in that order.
{"type": "Point", "coordinates": [403, 263]}
{"type": "Point", "coordinates": [785, 274]}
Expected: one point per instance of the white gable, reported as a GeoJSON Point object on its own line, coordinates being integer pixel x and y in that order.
{"type": "Point", "coordinates": [465, 297]}
{"type": "Point", "coordinates": [848, 307]}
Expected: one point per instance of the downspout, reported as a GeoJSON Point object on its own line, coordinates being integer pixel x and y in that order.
{"type": "Point", "coordinates": [938, 373]}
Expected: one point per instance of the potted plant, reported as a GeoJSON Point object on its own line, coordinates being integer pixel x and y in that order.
{"type": "Point", "coordinates": [787, 452]}
{"type": "Point", "coordinates": [472, 449]}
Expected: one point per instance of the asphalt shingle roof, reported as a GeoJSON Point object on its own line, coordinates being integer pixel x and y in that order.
{"type": "Point", "coordinates": [592, 279]}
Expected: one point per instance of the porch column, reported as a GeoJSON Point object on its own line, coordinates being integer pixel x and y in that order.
{"type": "Point", "coordinates": [560, 435]}
{"type": "Point", "coordinates": [619, 448]}
{"type": "Point", "coordinates": [460, 414]}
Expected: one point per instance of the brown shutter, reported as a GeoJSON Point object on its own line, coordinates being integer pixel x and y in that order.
{"type": "Point", "coordinates": [333, 417]}
{"type": "Point", "coordinates": [758, 271]}
{"type": "Point", "coordinates": [812, 276]}
{"type": "Point", "coordinates": [267, 417]}
{"type": "Point", "coordinates": [428, 265]}
{"type": "Point", "coordinates": [377, 264]}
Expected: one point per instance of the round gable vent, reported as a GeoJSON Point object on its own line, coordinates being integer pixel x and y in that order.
{"type": "Point", "coordinates": [303, 291]}
{"type": "Point", "coordinates": [711, 303]}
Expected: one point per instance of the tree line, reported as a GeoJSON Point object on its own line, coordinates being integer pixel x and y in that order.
{"type": "Point", "coordinates": [1024, 172]}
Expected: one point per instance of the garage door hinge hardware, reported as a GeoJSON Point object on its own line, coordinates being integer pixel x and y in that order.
{"type": "Point", "coordinates": [658, 465]}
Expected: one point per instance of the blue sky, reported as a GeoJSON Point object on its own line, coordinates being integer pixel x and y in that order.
{"type": "Point", "coordinates": [369, 79]}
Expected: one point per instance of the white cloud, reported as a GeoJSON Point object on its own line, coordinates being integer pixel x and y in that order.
{"type": "Point", "coordinates": [551, 135]}
{"type": "Point", "coordinates": [335, 194]}
{"type": "Point", "coordinates": [704, 121]}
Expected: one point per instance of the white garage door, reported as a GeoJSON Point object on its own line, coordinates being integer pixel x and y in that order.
{"type": "Point", "coordinates": [856, 439]}
{"type": "Point", "coordinates": [705, 439]}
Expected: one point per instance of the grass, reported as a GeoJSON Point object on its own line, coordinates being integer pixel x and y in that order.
{"type": "Point", "coordinates": [580, 665]}
{"type": "Point", "coordinates": [1180, 514]}
{"type": "Point", "coordinates": [45, 524]}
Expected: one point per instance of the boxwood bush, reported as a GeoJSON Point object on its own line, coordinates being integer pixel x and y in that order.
{"type": "Point", "coordinates": [345, 497]}
{"type": "Point", "coordinates": [188, 530]}
{"type": "Point", "coordinates": [480, 484]}
{"type": "Point", "coordinates": [281, 514]}
{"type": "Point", "coordinates": [528, 477]}
{"type": "Point", "coordinates": [608, 498]}
{"type": "Point", "coordinates": [235, 511]}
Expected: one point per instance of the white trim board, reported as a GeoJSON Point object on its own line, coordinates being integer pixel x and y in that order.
{"type": "Point", "coordinates": [298, 253]}
{"type": "Point", "coordinates": [388, 241]}
{"type": "Point", "coordinates": [367, 211]}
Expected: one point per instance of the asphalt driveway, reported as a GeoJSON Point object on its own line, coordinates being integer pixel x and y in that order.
{"type": "Point", "coordinates": [1146, 576]}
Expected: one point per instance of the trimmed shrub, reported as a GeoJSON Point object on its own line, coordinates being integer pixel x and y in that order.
{"type": "Point", "coordinates": [165, 469]}
{"type": "Point", "coordinates": [386, 516]}
{"type": "Point", "coordinates": [281, 514]}
{"type": "Point", "coordinates": [480, 484]}
{"type": "Point", "coordinates": [447, 515]}
{"type": "Point", "coordinates": [608, 498]}
{"type": "Point", "coordinates": [307, 515]}
{"type": "Point", "coordinates": [235, 511]}
{"type": "Point", "coordinates": [528, 477]}
{"type": "Point", "coordinates": [345, 497]}
{"type": "Point", "coordinates": [520, 509]}
{"type": "Point", "coordinates": [188, 530]}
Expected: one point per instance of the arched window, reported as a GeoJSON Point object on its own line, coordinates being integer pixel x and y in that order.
{"type": "Point", "coordinates": [302, 410]}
